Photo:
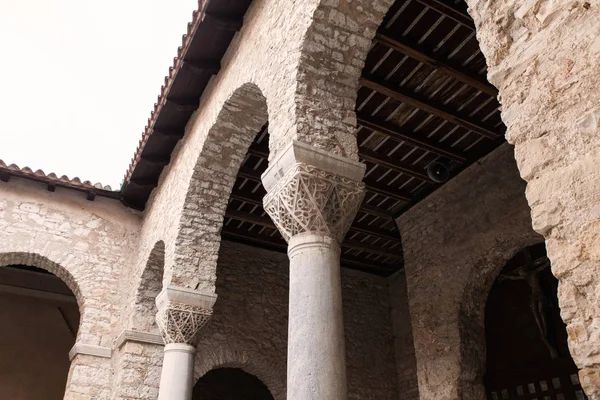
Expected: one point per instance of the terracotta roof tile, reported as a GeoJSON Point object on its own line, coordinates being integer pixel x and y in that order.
{"type": "Point", "coordinates": [8, 170]}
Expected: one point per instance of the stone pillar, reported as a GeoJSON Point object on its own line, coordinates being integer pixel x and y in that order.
{"type": "Point", "coordinates": [543, 57]}
{"type": "Point", "coordinates": [312, 197]}
{"type": "Point", "coordinates": [181, 314]}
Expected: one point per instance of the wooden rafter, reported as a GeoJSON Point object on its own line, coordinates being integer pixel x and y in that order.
{"type": "Point", "coordinates": [203, 66]}
{"type": "Point", "coordinates": [402, 95]}
{"type": "Point", "coordinates": [396, 133]}
{"type": "Point", "coordinates": [391, 163]}
{"type": "Point", "coordinates": [422, 55]}
{"type": "Point", "coordinates": [267, 223]}
{"type": "Point", "coordinates": [450, 12]}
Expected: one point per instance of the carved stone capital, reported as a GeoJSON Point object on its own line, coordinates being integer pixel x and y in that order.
{"type": "Point", "coordinates": [312, 191]}
{"type": "Point", "coordinates": [182, 313]}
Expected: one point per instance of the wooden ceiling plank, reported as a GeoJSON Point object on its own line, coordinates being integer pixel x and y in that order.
{"type": "Point", "coordinates": [388, 191]}
{"type": "Point", "coordinates": [391, 163]}
{"type": "Point", "coordinates": [224, 21]}
{"type": "Point", "coordinates": [203, 66]}
{"type": "Point", "coordinates": [450, 12]}
{"type": "Point", "coordinates": [427, 58]}
{"type": "Point", "coordinates": [395, 133]}
{"type": "Point", "coordinates": [366, 229]}
{"type": "Point", "coordinates": [399, 94]}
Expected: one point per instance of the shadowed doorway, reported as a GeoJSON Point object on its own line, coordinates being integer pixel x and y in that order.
{"type": "Point", "coordinates": [40, 317]}
{"type": "Point", "coordinates": [527, 352]}
{"type": "Point", "coordinates": [230, 384]}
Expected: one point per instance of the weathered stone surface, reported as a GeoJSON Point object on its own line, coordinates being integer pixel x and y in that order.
{"type": "Point", "coordinates": [543, 57]}
{"type": "Point", "coordinates": [475, 223]}
{"type": "Point", "coordinates": [248, 328]}
{"type": "Point", "coordinates": [89, 245]}
{"type": "Point", "coordinates": [406, 363]}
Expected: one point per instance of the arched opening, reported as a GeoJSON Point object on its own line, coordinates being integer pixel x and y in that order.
{"type": "Point", "coordinates": [40, 318]}
{"type": "Point", "coordinates": [527, 352]}
{"type": "Point", "coordinates": [230, 384]}
{"type": "Point", "coordinates": [150, 285]}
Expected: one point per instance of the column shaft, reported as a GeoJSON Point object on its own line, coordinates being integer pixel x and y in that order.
{"type": "Point", "coordinates": [177, 377]}
{"type": "Point", "coordinates": [316, 356]}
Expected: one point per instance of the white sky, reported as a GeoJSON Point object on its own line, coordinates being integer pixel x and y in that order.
{"type": "Point", "coordinates": [78, 79]}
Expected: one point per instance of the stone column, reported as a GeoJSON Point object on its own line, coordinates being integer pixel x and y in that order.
{"type": "Point", "coordinates": [312, 197]}
{"type": "Point", "coordinates": [181, 314]}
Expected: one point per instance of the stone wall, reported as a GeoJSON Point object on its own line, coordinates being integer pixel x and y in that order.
{"type": "Point", "coordinates": [249, 327]}
{"type": "Point", "coordinates": [89, 245]}
{"type": "Point", "coordinates": [406, 363]}
{"type": "Point", "coordinates": [543, 57]}
{"type": "Point", "coordinates": [300, 58]}
{"type": "Point", "coordinates": [455, 243]}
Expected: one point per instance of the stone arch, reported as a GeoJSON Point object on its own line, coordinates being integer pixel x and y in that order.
{"type": "Point", "coordinates": [223, 152]}
{"type": "Point", "coordinates": [471, 318]}
{"type": "Point", "coordinates": [225, 356]}
{"type": "Point", "coordinates": [39, 261]}
{"type": "Point", "coordinates": [149, 286]}
{"type": "Point", "coordinates": [332, 57]}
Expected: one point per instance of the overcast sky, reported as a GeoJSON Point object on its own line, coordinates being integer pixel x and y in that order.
{"type": "Point", "coordinates": [79, 79]}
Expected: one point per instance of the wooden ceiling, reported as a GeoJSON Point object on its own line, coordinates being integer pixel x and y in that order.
{"type": "Point", "coordinates": [423, 98]}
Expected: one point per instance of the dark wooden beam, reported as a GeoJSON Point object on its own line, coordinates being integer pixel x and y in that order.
{"type": "Point", "coordinates": [402, 95]}
{"type": "Point", "coordinates": [388, 191]}
{"type": "Point", "coordinates": [250, 218]}
{"type": "Point", "coordinates": [369, 248]}
{"type": "Point", "coordinates": [394, 132]}
{"type": "Point", "coordinates": [450, 12]}
{"type": "Point", "coordinates": [91, 196]}
{"type": "Point", "coordinates": [4, 176]}
{"type": "Point", "coordinates": [224, 21]}
{"type": "Point", "coordinates": [375, 211]}
{"type": "Point", "coordinates": [184, 105]}
{"type": "Point", "coordinates": [144, 183]}
{"type": "Point", "coordinates": [170, 134]}
{"type": "Point", "coordinates": [203, 66]}
{"type": "Point", "coordinates": [390, 163]}
{"type": "Point", "coordinates": [427, 58]}
{"type": "Point", "coordinates": [362, 228]}
{"type": "Point", "coordinates": [267, 223]}
{"type": "Point", "coordinates": [366, 229]}
{"type": "Point", "coordinates": [156, 160]}
{"type": "Point", "coordinates": [279, 245]}
{"type": "Point", "coordinates": [259, 149]}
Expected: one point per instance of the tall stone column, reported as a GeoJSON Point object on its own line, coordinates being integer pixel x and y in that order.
{"type": "Point", "coordinates": [312, 197]}
{"type": "Point", "coordinates": [181, 314]}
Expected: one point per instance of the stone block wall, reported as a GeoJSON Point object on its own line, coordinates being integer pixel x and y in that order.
{"type": "Point", "coordinates": [543, 56]}
{"type": "Point", "coordinates": [89, 245]}
{"type": "Point", "coordinates": [249, 327]}
{"type": "Point", "coordinates": [406, 362]}
{"type": "Point", "coordinates": [455, 243]}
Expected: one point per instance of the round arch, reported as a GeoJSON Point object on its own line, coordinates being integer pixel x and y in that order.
{"type": "Point", "coordinates": [224, 356]}
{"type": "Point", "coordinates": [230, 383]}
{"type": "Point", "coordinates": [332, 58]}
{"type": "Point", "coordinates": [43, 322]}
{"type": "Point", "coordinates": [471, 317]}
{"type": "Point", "coordinates": [148, 287]}
{"type": "Point", "coordinates": [39, 261]}
{"type": "Point", "coordinates": [222, 153]}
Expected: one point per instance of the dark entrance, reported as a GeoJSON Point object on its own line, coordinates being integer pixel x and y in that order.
{"type": "Point", "coordinates": [40, 318]}
{"type": "Point", "coordinates": [230, 384]}
{"type": "Point", "coordinates": [527, 353]}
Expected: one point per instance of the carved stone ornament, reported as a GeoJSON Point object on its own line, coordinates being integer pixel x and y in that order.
{"type": "Point", "coordinates": [180, 323]}
{"type": "Point", "coordinates": [182, 313]}
{"type": "Point", "coordinates": [309, 199]}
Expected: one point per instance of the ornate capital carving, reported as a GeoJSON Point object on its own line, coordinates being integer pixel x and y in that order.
{"type": "Point", "coordinates": [182, 313]}
{"type": "Point", "coordinates": [311, 191]}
